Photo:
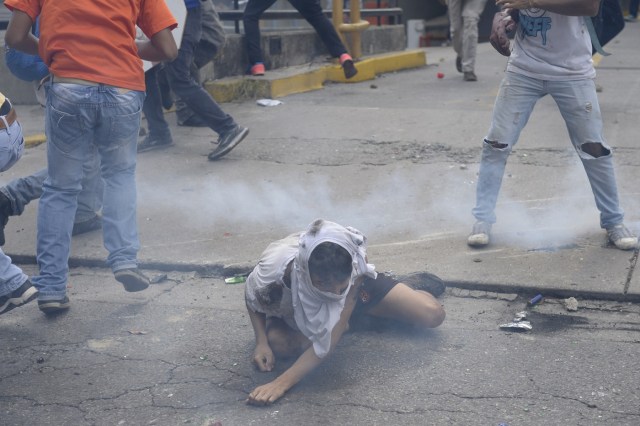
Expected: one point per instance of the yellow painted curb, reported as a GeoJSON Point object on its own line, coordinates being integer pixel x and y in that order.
{"type": "Point", "coordinates": [34, 140]}
{"type": "Point", "coordinates": [298, 83]}
{"type": "Point", "coordinates": [236, 88]}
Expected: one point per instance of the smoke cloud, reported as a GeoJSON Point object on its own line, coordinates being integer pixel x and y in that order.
{"type": "Point", "coordinates": [401, 205]}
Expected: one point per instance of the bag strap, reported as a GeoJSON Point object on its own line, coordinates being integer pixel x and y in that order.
{"type": "Point", "coordinates": [594, 37]}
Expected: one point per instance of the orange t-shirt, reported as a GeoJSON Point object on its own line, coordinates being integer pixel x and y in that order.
{"type": "Point", "coordinates": [94, 40]}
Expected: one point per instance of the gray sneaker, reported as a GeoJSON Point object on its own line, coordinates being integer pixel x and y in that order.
{"type": "Point", "coordinates": [227, 141]}
{"type": "Point", "coordinates": [479, 236]}
{"type": "Point", "coordinates": [132, 279]}
{"type": "Point", "coordinates": [88, 225]}
{"type": "Point", "coordinates": [621, 237]}
{"type": "Point", "coordinates": [53, 307]}
{"type": "Point", "coordinates": [149, 143]}
{"type": "Point", "coordinates": [469, 76]}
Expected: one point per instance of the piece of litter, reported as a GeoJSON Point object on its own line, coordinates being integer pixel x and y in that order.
{"type": "Point", "coordinates": [571, 304]}
{"type": "Point", "coordinates": [268, 102]}
{"type": "Point", "coordinates": [516, 326]}
{"type": "Point", "coordinates": [520, 316]}
{"type": "Point", "coordinates": [535, 300]}
{"type": "Point", "coordinates": [518, 323]}
{"type": "Point", "coordinates": [137, 332]}
{"type": "Point", "coordinates": [238, 279]}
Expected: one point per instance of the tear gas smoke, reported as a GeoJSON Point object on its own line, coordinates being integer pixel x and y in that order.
{"type": "Point", "coordinates": [397, 205]}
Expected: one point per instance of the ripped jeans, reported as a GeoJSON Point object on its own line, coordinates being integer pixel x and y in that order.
{"type": "Point", "coordinates": [578, 104]}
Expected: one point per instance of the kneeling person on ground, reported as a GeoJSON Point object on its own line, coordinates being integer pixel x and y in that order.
{"type": "Point", "coordinates": [305, 289]}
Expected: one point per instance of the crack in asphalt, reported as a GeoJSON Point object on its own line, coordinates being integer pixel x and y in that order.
{"type": "Point", "coordinates": [591, 405]}
{"type": "Point", "coordinates": [632, 267]}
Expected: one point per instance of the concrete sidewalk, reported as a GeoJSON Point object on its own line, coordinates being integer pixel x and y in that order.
{"type": "Point", "coordinates": [396, 157]}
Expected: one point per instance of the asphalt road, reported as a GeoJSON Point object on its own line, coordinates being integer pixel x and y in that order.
{"type": "Point", "coordinates": [179, 354]}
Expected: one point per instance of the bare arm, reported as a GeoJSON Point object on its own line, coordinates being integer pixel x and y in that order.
{"type": "Point", "coordinates": [563, 7]}
{"type": "Point", "coordinates": [161, 47]}
{"type": "Point", "coordinates": [18, 35]}
{"type": "Point", "coordinates": [271, 392]}
{"type": "Point", "coordinates": [262, 355]}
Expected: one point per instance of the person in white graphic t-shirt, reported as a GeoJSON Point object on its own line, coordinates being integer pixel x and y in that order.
{"type": "Point", "coordinates": [551, 56]}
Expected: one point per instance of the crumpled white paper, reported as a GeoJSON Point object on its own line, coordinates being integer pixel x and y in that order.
{"type": "Point", "coordinates": [268, 102]}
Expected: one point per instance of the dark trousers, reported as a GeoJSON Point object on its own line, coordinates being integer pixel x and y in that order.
{"type": "Point", "coordinates": [633, 8]}
{"type": "Point", "coordinates": [184, 85]}
{"type": "Point", "coordinates": [205, 52]}
{"type": "Point", "coordinates": [152, 106]}
{"type": "Point", "coordinates": [309, 9]}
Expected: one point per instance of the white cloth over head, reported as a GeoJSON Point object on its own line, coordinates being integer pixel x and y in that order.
{"type": "Point", "coordinates": [317, 312]}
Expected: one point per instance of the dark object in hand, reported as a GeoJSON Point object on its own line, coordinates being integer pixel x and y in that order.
{"type": "Point", "coordinates": [504, 25]}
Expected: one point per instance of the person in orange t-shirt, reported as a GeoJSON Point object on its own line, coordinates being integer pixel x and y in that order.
{"type": "Point", "coordinates": [94, 100]}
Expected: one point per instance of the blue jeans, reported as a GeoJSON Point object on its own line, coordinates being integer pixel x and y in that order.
{"type": "Point", "coordinates": [80, 119]}
{"type": "Point", "coordinates": [578, 104]}
{"type": "Point", "coordinates": [22, 191]}
{"type": "Point", "coordinates": [12, 144]}
{"type": "Point", "coordinates": [11, 277]}
{"type": "Point", "coordinates": [185, 86]}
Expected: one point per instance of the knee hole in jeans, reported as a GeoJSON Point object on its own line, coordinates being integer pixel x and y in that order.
{"type": "Point", "coordinates": [496, 144]}
{"type": "Point", "coordinates": [595, 149]}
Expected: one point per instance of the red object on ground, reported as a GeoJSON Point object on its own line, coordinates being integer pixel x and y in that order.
{"type": "Point", "coordinates": [440, 75]}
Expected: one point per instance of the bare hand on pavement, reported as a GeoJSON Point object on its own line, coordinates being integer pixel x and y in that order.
{"type": "Point", "coordinates": [266, 394]}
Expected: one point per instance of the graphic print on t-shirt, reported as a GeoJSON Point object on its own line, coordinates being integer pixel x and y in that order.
{"type": "Point", "coordinates": [534, 21]}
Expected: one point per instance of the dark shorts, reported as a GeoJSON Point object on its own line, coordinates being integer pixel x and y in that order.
{"type": "Point", "coordinates": [372, 292]}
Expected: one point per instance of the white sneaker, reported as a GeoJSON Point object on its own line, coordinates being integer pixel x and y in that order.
{"type": "Point", "coordinates": [479, 234]}
{"type": "Point", "coordinates": [621, 237]}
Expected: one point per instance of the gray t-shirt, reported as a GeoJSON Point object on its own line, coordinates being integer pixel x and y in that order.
{"type": "Point", "coordinates": [549, 46]}
{"type": "Point", "coordinates": [265, 290]}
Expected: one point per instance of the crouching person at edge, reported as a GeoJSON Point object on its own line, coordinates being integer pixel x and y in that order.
{"type": "Point", "coordinates": [15, 287]}
{"type": "Point", "coordinates": [305, 289]}
{"type": "Point", "coordinates": [94, 100]}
